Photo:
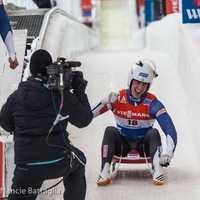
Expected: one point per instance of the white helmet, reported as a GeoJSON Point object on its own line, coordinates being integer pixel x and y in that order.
{"type": "Point", "coordinates": [144, 71]}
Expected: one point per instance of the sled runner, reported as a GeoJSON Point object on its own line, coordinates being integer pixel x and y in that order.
{"type": "Point", "coordinates": [133, 157]}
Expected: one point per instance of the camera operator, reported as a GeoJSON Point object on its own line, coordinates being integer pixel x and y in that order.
{"type": "Point", "coordinates": [29, 114]}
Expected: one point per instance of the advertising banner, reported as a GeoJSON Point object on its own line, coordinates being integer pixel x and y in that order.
{"type": "Point", "coordinates": [191, 11]}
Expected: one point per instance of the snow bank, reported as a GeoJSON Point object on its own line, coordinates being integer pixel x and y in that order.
{"type": "Point", "coordinates": [189, 59]}
{"type": "Point", "coordinates": [181, 43]}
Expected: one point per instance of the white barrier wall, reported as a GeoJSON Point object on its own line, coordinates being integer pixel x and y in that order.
{"type": "Point", "coordinates": [166, 33]}
{"type": "Point", "coordinates": [71, 6]}
{"type": "Point", "coordinates": [63, 36]}
{"type": "Point", "coordinates": [189, 59]}
{"type": "Point", "coordinates": [182, 44]}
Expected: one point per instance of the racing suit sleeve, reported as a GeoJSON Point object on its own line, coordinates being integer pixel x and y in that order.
{"type": "Point", "coordinates": [99, 109]}
{"type": "Point", "coordinates": [105, 104]}
{"type": "Point", "coordinates": [158, 111]}
{"type": "Point", "coordinates": [6, 32]}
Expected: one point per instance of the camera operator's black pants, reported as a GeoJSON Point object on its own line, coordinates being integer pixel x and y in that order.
{"type": "Point", "coordinates": [27, 180]}
{"type": "Point", "coordinates": [115, 144]}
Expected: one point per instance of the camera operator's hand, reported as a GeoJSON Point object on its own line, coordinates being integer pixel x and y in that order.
{"type": "Point", "coordinates": [78, 82]}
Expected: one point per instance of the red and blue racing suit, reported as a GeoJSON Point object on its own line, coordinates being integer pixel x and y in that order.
{"type": "Point", "coordinates": [134, 117]}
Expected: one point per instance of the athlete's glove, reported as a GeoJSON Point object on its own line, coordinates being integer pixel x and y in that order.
{"type": "Point", "coordinates": [165, 160]}
{"type": "Point", "coordinates": [167, 156]}
{"type": "Point", "coordinates": [111, 98]}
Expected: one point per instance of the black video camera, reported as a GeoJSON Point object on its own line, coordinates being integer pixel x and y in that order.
{"type": "Point", "coordinates": [60, 74]}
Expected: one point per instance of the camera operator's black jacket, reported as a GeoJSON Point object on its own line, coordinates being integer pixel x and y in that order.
{"type": "Point", "coordinates": [30, 112]}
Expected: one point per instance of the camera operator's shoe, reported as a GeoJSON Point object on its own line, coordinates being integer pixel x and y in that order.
{"type": "Point", "coordinates": [159, 177]}
{"type": "Point", "coordinates": [104, 178]}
